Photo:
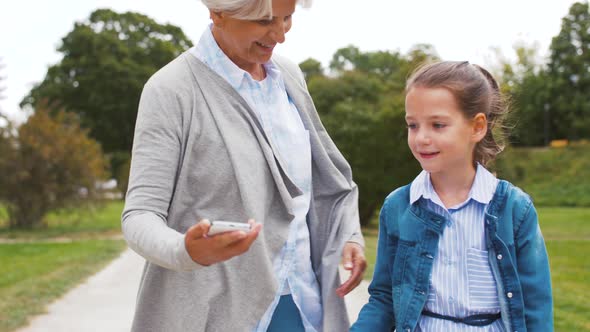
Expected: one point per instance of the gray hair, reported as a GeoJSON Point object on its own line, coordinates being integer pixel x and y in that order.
{"type": "Point", "coordinates": [246, 9]}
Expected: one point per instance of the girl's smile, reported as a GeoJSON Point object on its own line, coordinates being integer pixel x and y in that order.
{"type": "Point", "coordinates": [439, 135]}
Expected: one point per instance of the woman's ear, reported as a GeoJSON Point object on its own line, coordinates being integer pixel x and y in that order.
{"type": "Point", "coordinates": [217, 18]}
{"type": "Point", "coordinates": [479, 126]}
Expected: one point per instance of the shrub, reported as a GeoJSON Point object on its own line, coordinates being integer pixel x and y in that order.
{"type": "Point", "coordinates": [46, 163]}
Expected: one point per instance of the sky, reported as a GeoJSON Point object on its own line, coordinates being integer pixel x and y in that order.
{"type": "Point", "coordinates": [31, 30]}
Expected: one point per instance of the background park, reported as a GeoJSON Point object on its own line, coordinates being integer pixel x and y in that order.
{"type": "Point", "coordinates": [60, 219]}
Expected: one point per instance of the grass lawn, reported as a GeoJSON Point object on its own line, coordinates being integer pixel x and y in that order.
{"type": "Point", "coordinates": [567, 236]}
{"type": "Point", "coordinates": [565, 223]}
{"type": "Point", "coordinates": [371, 235]}
{"type": "Point", "coordinates": [570, 272]}
{"type": "Point", "coordinates": [87, 222]}
{"type": "Point", "coordinates": [34, 274]}
{"type": "Point", "coordinates": [40, 265]}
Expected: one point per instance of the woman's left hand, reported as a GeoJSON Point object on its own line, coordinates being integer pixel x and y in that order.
{"type": "Point", "coordinates": [353, 259]}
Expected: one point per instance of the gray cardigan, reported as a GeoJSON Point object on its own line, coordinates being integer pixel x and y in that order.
{"type": "Point", "coordinates": [199, 151]}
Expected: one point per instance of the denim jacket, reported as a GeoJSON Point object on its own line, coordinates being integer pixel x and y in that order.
{"type": "Point", "coordinates": [408, 242]}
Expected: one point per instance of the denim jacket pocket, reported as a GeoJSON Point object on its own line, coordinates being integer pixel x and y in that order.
{"type": "Point", "coordinates": [483, 294]}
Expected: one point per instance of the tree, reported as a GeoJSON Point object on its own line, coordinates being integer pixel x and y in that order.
{"type": "Point", "coordinates": [106, 60]}
{"type": "Point", "coordinates": [569, 76]}
{"type": "Point", "coordinates": [362, 107]}
{"type": "Point", "coordinates": [525, 82]}
{"type": "Point", "coordinates": [310, 68]}
{"type": "Point", "coordinates": [47, 163]}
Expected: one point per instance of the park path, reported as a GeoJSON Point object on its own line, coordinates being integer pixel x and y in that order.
{"type": "Point", "coordinates": [106, 301]}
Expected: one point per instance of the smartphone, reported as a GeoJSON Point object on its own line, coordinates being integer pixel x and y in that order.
{"type": "Point", "coordinates": [222, 226]}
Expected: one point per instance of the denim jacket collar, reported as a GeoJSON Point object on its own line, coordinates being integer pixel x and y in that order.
{"type": "Point", "coordinates": [496, 205]}
{"type": "Point", "coordinates": [480, 191]}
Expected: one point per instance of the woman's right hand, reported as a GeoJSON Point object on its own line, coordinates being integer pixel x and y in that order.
{"type": "Point", "coordinates": [207, 250]}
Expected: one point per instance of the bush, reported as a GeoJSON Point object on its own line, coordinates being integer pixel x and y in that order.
{"type": "Point", "coordinates": [47, 163]}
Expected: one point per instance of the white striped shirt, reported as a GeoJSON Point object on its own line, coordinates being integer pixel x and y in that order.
{"type": "Point", "coordinates": [283, 126]}
{"type": "Point", "coordinates": [461, 283]}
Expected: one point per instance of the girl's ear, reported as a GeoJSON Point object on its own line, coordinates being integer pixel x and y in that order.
{"type": "Point", "coordinates": [479, 126]}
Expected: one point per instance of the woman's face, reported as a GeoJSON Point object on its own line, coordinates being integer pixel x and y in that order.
{"type": "Point", "coordinates": [249, 44]}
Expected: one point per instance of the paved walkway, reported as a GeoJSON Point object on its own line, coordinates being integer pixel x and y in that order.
{"type": "Point", "coordinates": [106, 301]}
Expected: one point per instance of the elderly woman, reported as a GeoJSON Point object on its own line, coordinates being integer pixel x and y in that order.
{"type": "Point", "coordinates": [228, 131]}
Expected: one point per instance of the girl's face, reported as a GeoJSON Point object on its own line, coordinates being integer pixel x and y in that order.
{"type": "Point", "coordinates": [249, 44]}
{"type": "Point", "coordinates": [441, 138]}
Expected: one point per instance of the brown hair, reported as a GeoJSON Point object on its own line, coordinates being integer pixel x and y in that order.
{"type": "Point", "coordinates": [475, 91]}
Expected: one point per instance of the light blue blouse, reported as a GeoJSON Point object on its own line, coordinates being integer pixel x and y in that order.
{"type": "Point", "coordinates": [462, 282]}
{"type": "Point", "coordinates": [282, 124]}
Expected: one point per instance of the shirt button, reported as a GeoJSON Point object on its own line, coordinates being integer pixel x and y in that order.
{"type": "Point", "coordinates": [509, 294]}
{"type": "Point", "coordinates": [499, 256]}
{"type": "Point", "coordinates": [451, 299]}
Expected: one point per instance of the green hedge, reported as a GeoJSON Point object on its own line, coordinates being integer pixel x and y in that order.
{"type": "Point", "coordinates": [552, 176]}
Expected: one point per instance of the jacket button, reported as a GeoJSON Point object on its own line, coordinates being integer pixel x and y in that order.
{"type": "Point", "coordinates": [499, 256]}
{"type": "Point", "coordinates": [509, 294]}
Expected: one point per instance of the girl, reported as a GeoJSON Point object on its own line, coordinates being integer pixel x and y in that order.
{"type": "Point", "coordinates": [458, 250]}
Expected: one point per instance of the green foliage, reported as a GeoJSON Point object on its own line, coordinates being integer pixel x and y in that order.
{"type": "Point", "coordinates": [35, 274]}
{"type": "Point", "coordinates": [311, 67]}
{"type": "Point", "coordinates": [3, 215]}
{"type": "Point", "coordinates": [531, 119]}
{"type": "Point", "coordinates": [46, 164]}
{"type": "Point", "coordinates": [550, 100]}
{"type": "Point", "coordinates": [122, 176]}
{"type": "Point", "coordinates": [552, 176]}
{"type": "Point", "coordinates": [569, 75]}
{"type": "Point", "coordinates": [106, 60]}
{"type": "Point", "coordinates": [362, 107]}
{"type": "Point", "coordinates": [120, 164]}
{"type": "Point", "coordinates": [525, 84]}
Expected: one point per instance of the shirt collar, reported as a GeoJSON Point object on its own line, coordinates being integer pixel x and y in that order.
{"type": "Point", "coordinates": [482, 189]}
{"type": "Point", "coordinates": [208, 51]}
{"type": "Point", "coordinates": [484, 185]}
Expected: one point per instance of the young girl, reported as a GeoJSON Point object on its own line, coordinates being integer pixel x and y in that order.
{"type": "Point", "coordinates": [458, 250]}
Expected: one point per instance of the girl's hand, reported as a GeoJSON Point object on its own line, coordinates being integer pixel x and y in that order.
{"type": "Point", "coordinates": [207, 250]}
